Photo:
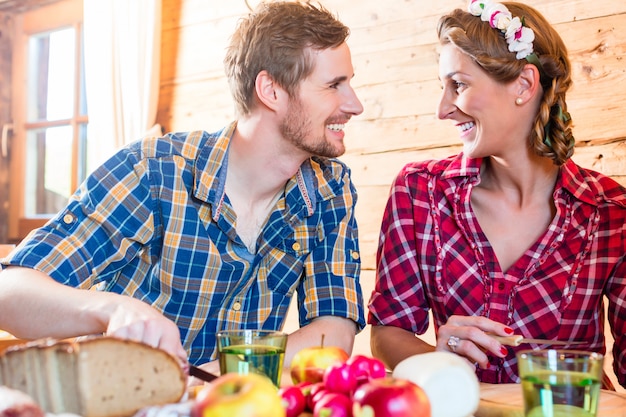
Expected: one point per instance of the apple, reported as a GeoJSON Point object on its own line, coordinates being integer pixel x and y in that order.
{"type": "Point", "coordinates": [339, 377]}
{"type": "Point", "coordinates": [366, 368]}
{"type": "Point", "coordinates": [231, 394]}
{"type": "Point", "coordinates": [333, 404]}
{"type": "Point", "coordinates": [309, 364]}
{"type": "Point", "coordinates": [293, 400]}
{"type": "Point", "coordinates": [313, 393]}
{"type": "Point", "coordinates": [390, 397]}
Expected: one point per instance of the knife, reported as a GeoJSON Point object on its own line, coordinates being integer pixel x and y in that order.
{"type": "Point", "coordinates": [517, 340]}
{"type": "Point", "coordinates": [201, 374]}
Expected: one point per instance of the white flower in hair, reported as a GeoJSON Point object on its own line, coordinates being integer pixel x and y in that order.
{"type": "Point", "coordinates": [497, 15]}
{"type": "Point", "coordinates": [519, 37]}
{"type": "Point", "coordinates": [476, 7]}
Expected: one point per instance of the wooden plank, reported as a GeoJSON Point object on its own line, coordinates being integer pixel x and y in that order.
{"type": "Point", "coordinates": [195, 52]}
{"type": "Point", "coordinates": [402, 24]}
{"type": "Point", "coordinates": [372, 11]}
{"type": "Point", "coordinates": [181, 13]}
{"type": "Point", "coordinates": [203, 104]}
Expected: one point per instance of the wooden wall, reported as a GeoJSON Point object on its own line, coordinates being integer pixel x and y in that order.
{"type": "Point", "coordinates": [394, 54]}
{"type": "Point", "coordinates": [394, 51]}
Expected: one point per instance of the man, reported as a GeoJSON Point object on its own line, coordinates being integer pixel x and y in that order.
{"type": "Point", "coordinates": [193, 233]}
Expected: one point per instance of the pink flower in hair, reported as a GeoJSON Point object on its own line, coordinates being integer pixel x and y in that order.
{"type": "Point", "coordinates": [519, 37]}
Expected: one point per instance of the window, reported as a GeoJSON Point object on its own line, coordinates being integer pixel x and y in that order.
{"type": "Point", "coordinates": [49, 114]}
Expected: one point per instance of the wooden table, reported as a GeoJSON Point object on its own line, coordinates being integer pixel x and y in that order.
{"type": "Point", "coordinates": [505, 400]}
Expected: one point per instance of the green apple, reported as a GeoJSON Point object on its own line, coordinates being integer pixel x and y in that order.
{"type": "Point", "coordinates": [309, 364]}
{"type": "Point", "coordinates": [231, 394]}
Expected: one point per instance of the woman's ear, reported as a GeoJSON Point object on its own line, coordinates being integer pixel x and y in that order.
{"type": "Point", "coordinates": [267, 90]}
{"type": "Point", "coordinates": [528, 83]}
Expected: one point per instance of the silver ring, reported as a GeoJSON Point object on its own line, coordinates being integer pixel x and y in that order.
{"type": "Point", "coordinates": [453, 342]}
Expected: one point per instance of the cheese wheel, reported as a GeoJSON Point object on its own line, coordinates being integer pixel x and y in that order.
{"type": "Point", "coordinates": [448, 380]}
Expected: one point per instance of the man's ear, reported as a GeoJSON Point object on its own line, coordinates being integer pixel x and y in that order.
{"type": "Point", "coordinates": [268, 91]}
{"type": "Point", "coordinates": [528, 83]}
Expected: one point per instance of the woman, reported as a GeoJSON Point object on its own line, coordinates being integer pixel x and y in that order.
{"type": "Point", "coordinates": [510, 236]}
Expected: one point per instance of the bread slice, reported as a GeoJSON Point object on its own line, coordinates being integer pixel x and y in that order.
{"type": "Point", "coordinates": [94, 377]}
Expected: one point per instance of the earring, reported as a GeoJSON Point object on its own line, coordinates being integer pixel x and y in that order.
{"type": "Point", "coordinates": [519, 101]}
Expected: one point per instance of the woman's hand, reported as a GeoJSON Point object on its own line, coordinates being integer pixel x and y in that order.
{"type": "Point", "coordinates": [467, 337]}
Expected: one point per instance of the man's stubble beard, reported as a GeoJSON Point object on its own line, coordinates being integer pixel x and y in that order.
{"type": "Point", "coordinates": [296, 128]}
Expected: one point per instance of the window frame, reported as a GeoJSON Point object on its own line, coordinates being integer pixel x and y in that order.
{"type": "Point", "coordinates": [61, 14]}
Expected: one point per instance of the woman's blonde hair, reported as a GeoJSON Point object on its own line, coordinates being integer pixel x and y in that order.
{"type": "Point", "coordinates": [551, 135]}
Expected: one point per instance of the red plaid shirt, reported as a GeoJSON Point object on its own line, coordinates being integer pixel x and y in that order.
{"type": "Point", "coordinates": [433, 255]}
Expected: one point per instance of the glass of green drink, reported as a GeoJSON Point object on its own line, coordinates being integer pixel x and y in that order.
{"type": "Point", "coordinates": [560, 382]}
{"type": "Point", "coordinates": [252, 351]}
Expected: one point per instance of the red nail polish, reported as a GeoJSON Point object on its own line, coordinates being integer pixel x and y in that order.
{"type": "Point", "coordinates": [508, 330]}
{"type": "Point", "coordinates": [504, 350]}
{"type": "Point", "coordinates": [488, 365]}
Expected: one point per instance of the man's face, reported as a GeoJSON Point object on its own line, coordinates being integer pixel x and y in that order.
{"type": "Point", "coordinates": [325, 102]}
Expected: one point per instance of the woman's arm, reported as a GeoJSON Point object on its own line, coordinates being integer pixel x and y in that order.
{"type": "Point", "coordinates": [393, 344]}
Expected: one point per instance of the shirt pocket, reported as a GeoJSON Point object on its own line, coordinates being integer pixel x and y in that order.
{"type": "Point", "coordinates": [538, 303]}
{"type": "Point", "coordinates": [283, 267]}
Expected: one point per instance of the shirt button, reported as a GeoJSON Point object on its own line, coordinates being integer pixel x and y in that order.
{"type": "Point", "coordinates": [68, 219]}
{"type": "Point", "coordinates": [295, 246]}
{"type": "Point", "coordinates": [501, 286]}
{"type": "Point", "coordinates": [355, 255]}
{"type": "Point", "coordinates": [237, 306]}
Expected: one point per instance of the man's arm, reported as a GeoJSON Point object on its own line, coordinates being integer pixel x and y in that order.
{"type": "Point", "coordinates": [337, 331]}
{"type": "Point", "coordinates": [33, 305]}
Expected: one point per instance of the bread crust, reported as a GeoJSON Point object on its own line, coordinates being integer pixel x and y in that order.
{"type": "Point", "coordinates": [97, 376]}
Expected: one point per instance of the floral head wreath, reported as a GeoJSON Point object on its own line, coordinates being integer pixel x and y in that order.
{"type": "Point", "coordinates": [520, 40]}
{"type": "Point", "coordinates": [519, 37]}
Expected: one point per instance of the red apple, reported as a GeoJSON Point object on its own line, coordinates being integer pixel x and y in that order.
{"type": "Point", "coordinates": [365, 368]}
{"type": "Point", "coordinates": [333, 404]}
{"type": "Point", "coordinates": [313, 393]}
{"type": "Point", "coordinates": [293, 400]}
{"type": "Point", "coordinates": [231, 394]}
{"type": "Point", "coordinates": [310, 363]}
{"type": "Point", "coordinates": [339, 378]}
{"type": "Point", "coordinates": [390, 397]}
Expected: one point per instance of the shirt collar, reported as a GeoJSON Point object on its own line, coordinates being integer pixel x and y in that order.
{"type": "Point", "coordinates": [211, 166]}
{"type": "Point", "coordinates": [315, 179]}
{"type": "Point", "coordinates": [570, 178]}
{"type": "Point", "coordinates": [573, 181]}
{"type": "Point", "coordinates": [459, 166]}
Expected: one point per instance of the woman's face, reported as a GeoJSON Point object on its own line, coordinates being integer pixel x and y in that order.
{"type": "Point", "coordinates": [483, 110]}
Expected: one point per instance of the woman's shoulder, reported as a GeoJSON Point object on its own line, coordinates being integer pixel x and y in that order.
{"type": "Point", "coordinates": [593, 186]}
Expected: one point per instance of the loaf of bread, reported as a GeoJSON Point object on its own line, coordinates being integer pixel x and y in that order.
{"type": "Point", "coordinates": [94, 377]}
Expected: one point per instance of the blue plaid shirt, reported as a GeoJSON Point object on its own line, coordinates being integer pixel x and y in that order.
{"type": "Point", "coordinates": [154, 223]}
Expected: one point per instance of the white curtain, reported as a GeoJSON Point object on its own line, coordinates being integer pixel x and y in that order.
{"type": "Point", "coordinates": [122, 59]}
